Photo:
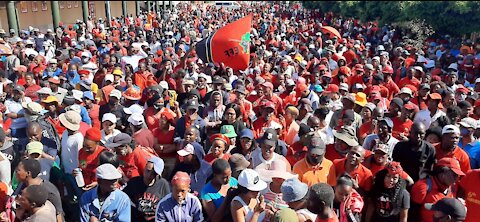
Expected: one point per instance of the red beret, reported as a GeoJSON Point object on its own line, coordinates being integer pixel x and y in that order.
{"type": "Point", "coordinates": [83, 72]}
{"type": "Point", "coordinates": [221, 137]}
{"type": "Point", "coordinates": [93, 134]}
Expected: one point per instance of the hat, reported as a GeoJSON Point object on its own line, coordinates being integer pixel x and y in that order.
{"type": "Point", "coordinates": [425, 86]}
{"type": "Point", "coordinates": [318, 88]}
{"type": "Point", "coordinates": [109, 117]}
{"type": "Point", "coordinates": [86, 54]}
{"type": "Point", "coordinates": [268, 85]}
{"type": "Point", "coordinates": [52, 61]}
{"type": "Point", "coordinates": [34, 147]}
{"type": "Point", "coordinates": [136, 119]}
{"type": "Point", "coordinates": [192, 104]}
{"type": "Point", "coordinates": [116, 93]}
{"type": "Point", "coordinates": [50, 99]}
{"type": "Point", "coordinates": [469, 122]}
{"type": "Point", "coordinates": [450, 129]}
{"type": "Point", "coordinates": [306, 104]}
{"type": "Point", "coordinates": [45, 90]}
{"type": "Point", "coordinates": [347, 135]}
{"type": "Point", "coordinates": [270, 137]}
{"type": "Point", "coordinates": [33, 108]}
{"type": "Point", "coordinates": [228, 131]}
{"type": "Point", "coordinates": [359, 86]}
{"type": "Point", "coordinates": [117, 72]}
{"type": "Point", "coordinates": [71, 120]}
{"type": "Point", "coordinates": [269, 104]}
{"type": "Point", "coordinates": [222, 137]}
{"type": "Point", "coordinates": [387, 121]}
{"type": "Point", "coordinates": [435, 96]}
{"type": "Point", "coordinates": [250, 179]}
{"type": "Point", "coordinates": [370, 106]}
{"type": "Point", "coordinates": [449, 206]}
{"type": "Point", "coordinates": [350, 97]}
{"type": "Point", "coordinates": [93, 134]}
{"type": "Point", "coordinates": [397, 101]}
{"type": "Point", "coordinates": [88, 95]}
{"type": "Point", "coordinates": [381, 147]}
{"type": "Point", "coordinates": [108, 172]}
{"type": "Point", "coordinates": [78, 95]}
{"type": "Point", "coordinates": [293, 190]}
{"type": "Point", "coordinates": [300, 88]}
{"type": "Point", "coordinates": [418, 68]}
{"type": "Point", "coordinates": [316, 145]}
{"type": "Point", "coordinates": [285, 215]}
{"type": "Point", "coordinates": [369, 66]}
{"type": "Point", "coordinates": [463, 89]}
{"type": "Point", "coordinates": [188, 82]}
{"type": "Point", "coordinates": [246, 133]}
{"type": "Point", "coordinates": [217, 80]}
{"type": "Point", "coordinates": [238, 162]}
{"type": "Point", "coordinates": [119, 140]}
{"type": "Point", "coordinates": [275, 169]}
{"type": "Point", "coordinates": [361, 99]}
{"type": "Point", "coordinates": [187, 150]}
{"type": "Point", "coordinates": [109, 77]}
{"type": "Point", "coordinates": [343, 86]}
{"type": "Point", "coordinates": [395, 168]}
{"type": "Point", "coordinates": [406, 90]}
{"type": "Point", "coordinates": [181, 178]}
{"type": "Point", "coordinates": [451, 163]}
{"type": "Point", "coordinates": [158, 164]}
{"type": "Point", "coordinates": [135, 108]}
{"type": "Point", "coordinates": [132, 93]}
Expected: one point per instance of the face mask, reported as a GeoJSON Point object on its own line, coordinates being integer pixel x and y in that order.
{"type": "Point", "coordinates": [85, 60]}
{"type": "Point", "coordinates": [182, 54]}
{"type": "Point", "coordinates": [158, 106]}
{"type": "Point", "coordinates": [461, 97]}
{"type": "Point", "coordinates": [464, 132]}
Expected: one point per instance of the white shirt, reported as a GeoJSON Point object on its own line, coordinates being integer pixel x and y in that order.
{"type": "Point", "coordinates": [5, 170]}
{"type": "Point", "coordinates": [71, 144]}
{"type": "Point", "coordinates": [367, 143]}
{"type": "Point", "coordinates": [16, 107]}
{"type": "Point", "coordinates": [107, 139]}
{"type": "Point", "coordinates": [424, 117]}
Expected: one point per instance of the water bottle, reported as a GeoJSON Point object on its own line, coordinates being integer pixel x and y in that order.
{"type": "Point", "coordinates": [79, 178]}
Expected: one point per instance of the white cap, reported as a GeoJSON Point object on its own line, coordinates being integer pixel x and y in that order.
{"type": "Point", "coordinates": [469, 122]}
{"type": "Point", "coordinates": [54, 61]}
{"type": "Point", "coordinates": [108, 172]}
{"type": "Point", "coordinates": [135, 108]}
{"type": "Point", "coordinates": [406, 90]}
{"type": "Point", "coordinates": [110, 117]}
{"type": "Point", "coordinates": [28, 42]}
{"type": "Point", "coordinates": [419, 68]}
{"type": "Point", "coordinates": [78, 95]}
{"type": "Point", "coordinates": [250, 179]}
{"type": "Point", "coordinates": [116, 93]}
{"type": "Point", "coordinates": [136, 119]}
{"type": "Point", "coordinates": [86, 54]}
{"type": "Point", "coordinates": [358, 86]}
{"type": "Point", "coordinates": [158, 164]}
{"type": "Point", "coordinates": [49, 30]}
{"type": "Point", "coordinates": [376, 58]}
{"type": "Point", "coordinates": [290, 82]}
{"type": "Point", "coordinates": [109, 77]}
{"type": "Point", "coordinates": [450, 129]}
{"type": "Point", "coordinates": [187, 150]}
{"type": "Point", "coordinates": [75, 107]}
{"type": "Point", "coordinates": [453, 66]}
{"type": "Point", "coordinates": [45, 90]}
{"type": "Point", "coordinates": [164, 85]}
{"type": "Point", "coordinates": [344, 86]}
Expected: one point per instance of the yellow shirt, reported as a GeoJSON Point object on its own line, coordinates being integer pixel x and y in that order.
{"type": "Point", "coordinates": [325, 173]}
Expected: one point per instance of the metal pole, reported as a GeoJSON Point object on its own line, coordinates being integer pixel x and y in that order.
{"type": "Point", "coordinates": [107, 13]}
{"type": "Point", "coordinates": [124, 9]}
{"type": "Point", "coordinates": [12, 16]}
{"type": "Point", "coordinates": [137, 7]}
{"type": "Point", "coordinates": [55, 14]}
{"type": "Point", "coordinates": [164, 6]}
{"type": "Point", "coordinates": [85, 11]}
{"type": "Point", "coordinates": [170, 5]}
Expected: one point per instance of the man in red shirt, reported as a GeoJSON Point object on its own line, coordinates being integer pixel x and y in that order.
{"type": "Point", "coordinates": [403, 123]}
{"type": "Point", "coordinates": [448, 147]}
{"type": "Point", "coordinates": [265, 120]}
{"type": "Point", "coordinates": [88, 157]}
{"type": "Point", "coordinates": [410, 78]}
{"type": "Point", "coordinates": [132, 160]}
{"type": "Point", "coordinates": [270, 96]}
{"type": "Point", "coordinates": [352, 165]}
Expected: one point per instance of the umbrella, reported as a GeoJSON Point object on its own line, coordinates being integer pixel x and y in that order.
{"type": "Point", "coordinates": [4, 50]}
{"type": "Point", "coordinates": [331, 31]}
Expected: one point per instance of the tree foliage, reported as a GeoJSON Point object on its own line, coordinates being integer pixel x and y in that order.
{"type": "Point", "coordinates": [445, 17]}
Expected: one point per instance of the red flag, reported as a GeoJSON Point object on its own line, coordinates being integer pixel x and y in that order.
{"type": "Point", "coordinates": [229, 44]}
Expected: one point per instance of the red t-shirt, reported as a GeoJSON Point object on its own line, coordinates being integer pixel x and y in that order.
{"type": "Point", "coordinates": [331, 154]}
{"type": "Point", "coordinates": [210, 158]}
{"type": "Point", "coordinates": [469, 184]}
{"type": "Point", "coordinates": [296, 152]}
{"type": "Point", "coordinates": [134, 163]}
{"type": "Point", "coordinates": [401, 127]}
{"type": "Point", "coordinates": [88, 162]}
{"type": "Point", "coordinates": [144, 137]}
{"type": "Point", "coordinates": [165, 138]}
{"type": "Point", "coordinates": [94, 113]}
{"type": "Point", "coordinates": [331, 219]}
{"type": "Point", "coordinates": [364, 175]}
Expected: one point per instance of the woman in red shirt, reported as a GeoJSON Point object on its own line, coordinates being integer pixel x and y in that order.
{"type": "Point", "coordinates": [218, 150]}
{"type": "Point", "coordinates": [163, 140]}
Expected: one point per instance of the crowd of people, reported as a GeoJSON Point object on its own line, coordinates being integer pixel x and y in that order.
{"type": "Point", "coordinates": [121, 121]}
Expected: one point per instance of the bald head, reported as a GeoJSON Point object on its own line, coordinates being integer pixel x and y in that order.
{"type": "Point", "coordinates": [34, 131]}
{"type": "Point", "coordinates": [417, 133]}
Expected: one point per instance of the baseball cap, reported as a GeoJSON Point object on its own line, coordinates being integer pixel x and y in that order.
{"type": "Point", "coordinates": [18, 88]}
{"type": "Point", "coordinates": [451, 163]}
{"type": "Point", "coordinates": [435, 96]}
{"type": "Point", "coordinates": [136, 119]}
{"type": "Point", "coordinates": [270, 137]}
{"type": "Point", "coordinates": [450, 129]}
{"type": "Point", "coordinates": [187, 150]}
{"type": "Point", "coordinates": [192, 104]}
{"type": "Point", "coordinates": [343, 86]}
{"type": "Point", "coordinates": [34, 147]}
{"type": "Point", "coordinates": [88, 95]}
{"type": "Point", "coordinates": [406, 90]}
{"type": "Point", "coordinates": [45, 90]}
{"type": "Point", "coordinates": [119, 140]}
{"type": "Point", "coordinates": [316, 145]}
{"type": "Point", "coordinates": [381, 147]}
{"type": "Point", "coordinates": [110, 117]}
{"type": "Point", "coordinates": [238, 162]}
{"type": "Point", "coordinates": [246, 133]}
{"type": "Point", "coordinates": [158, 164]}
{"type": "Point", "coordinates": [293, 190]}
{"type": "Point", "coordinates": [250, 179]}
{"type": "Point", "coordinates": [268, 85]}
{"type": "Point", "coordinates": [228, 131]}
{"type": "Point", "coordinates": [135, 108]}
{"type": "Point", "coordinates": [449, 206]}
{"type": "Point", "coordinates": [108, 172]}
{"type": "Point", "coordinates": [116, 93]}
{"type": "Point", "coordinates": [469, 122]}
{"type": "Point", "coordinates": [109, 77]}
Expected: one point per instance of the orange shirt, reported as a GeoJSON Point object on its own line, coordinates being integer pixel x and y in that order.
{"type": "Point", "coordinates": [3, 195]}
{"type": "Point", "coordinates": [458, 154]}
{"type": "Point", "coordinates": [325, 173]}
{"type": "Point", "coordinates": [420, 195]}
{"type": "Point", "coordinates": [89, 163]}
{"type": "Point", "coordinates": [364, 175]}
{"type": "Point", "coordinates": [469, 184]}
{"type": "Point", "coordinates": [331, 219]}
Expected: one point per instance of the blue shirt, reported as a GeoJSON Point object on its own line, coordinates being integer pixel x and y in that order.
{"type": "Point", "coordinates": [116, 207]}
{"type": "Point", "coordinates": [209, 193]}
{"type": "Point", "coordinates": [473, 151]}
{"type": "Point", "coordinates": [170, 210]}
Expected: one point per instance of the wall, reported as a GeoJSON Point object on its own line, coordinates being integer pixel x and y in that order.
{"type": "Point", "coordinates": [70, 15]}
{"type": "Point", "coordinates": [40, 19]}
{"type": "Point", "coordinates": [3, 16]}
